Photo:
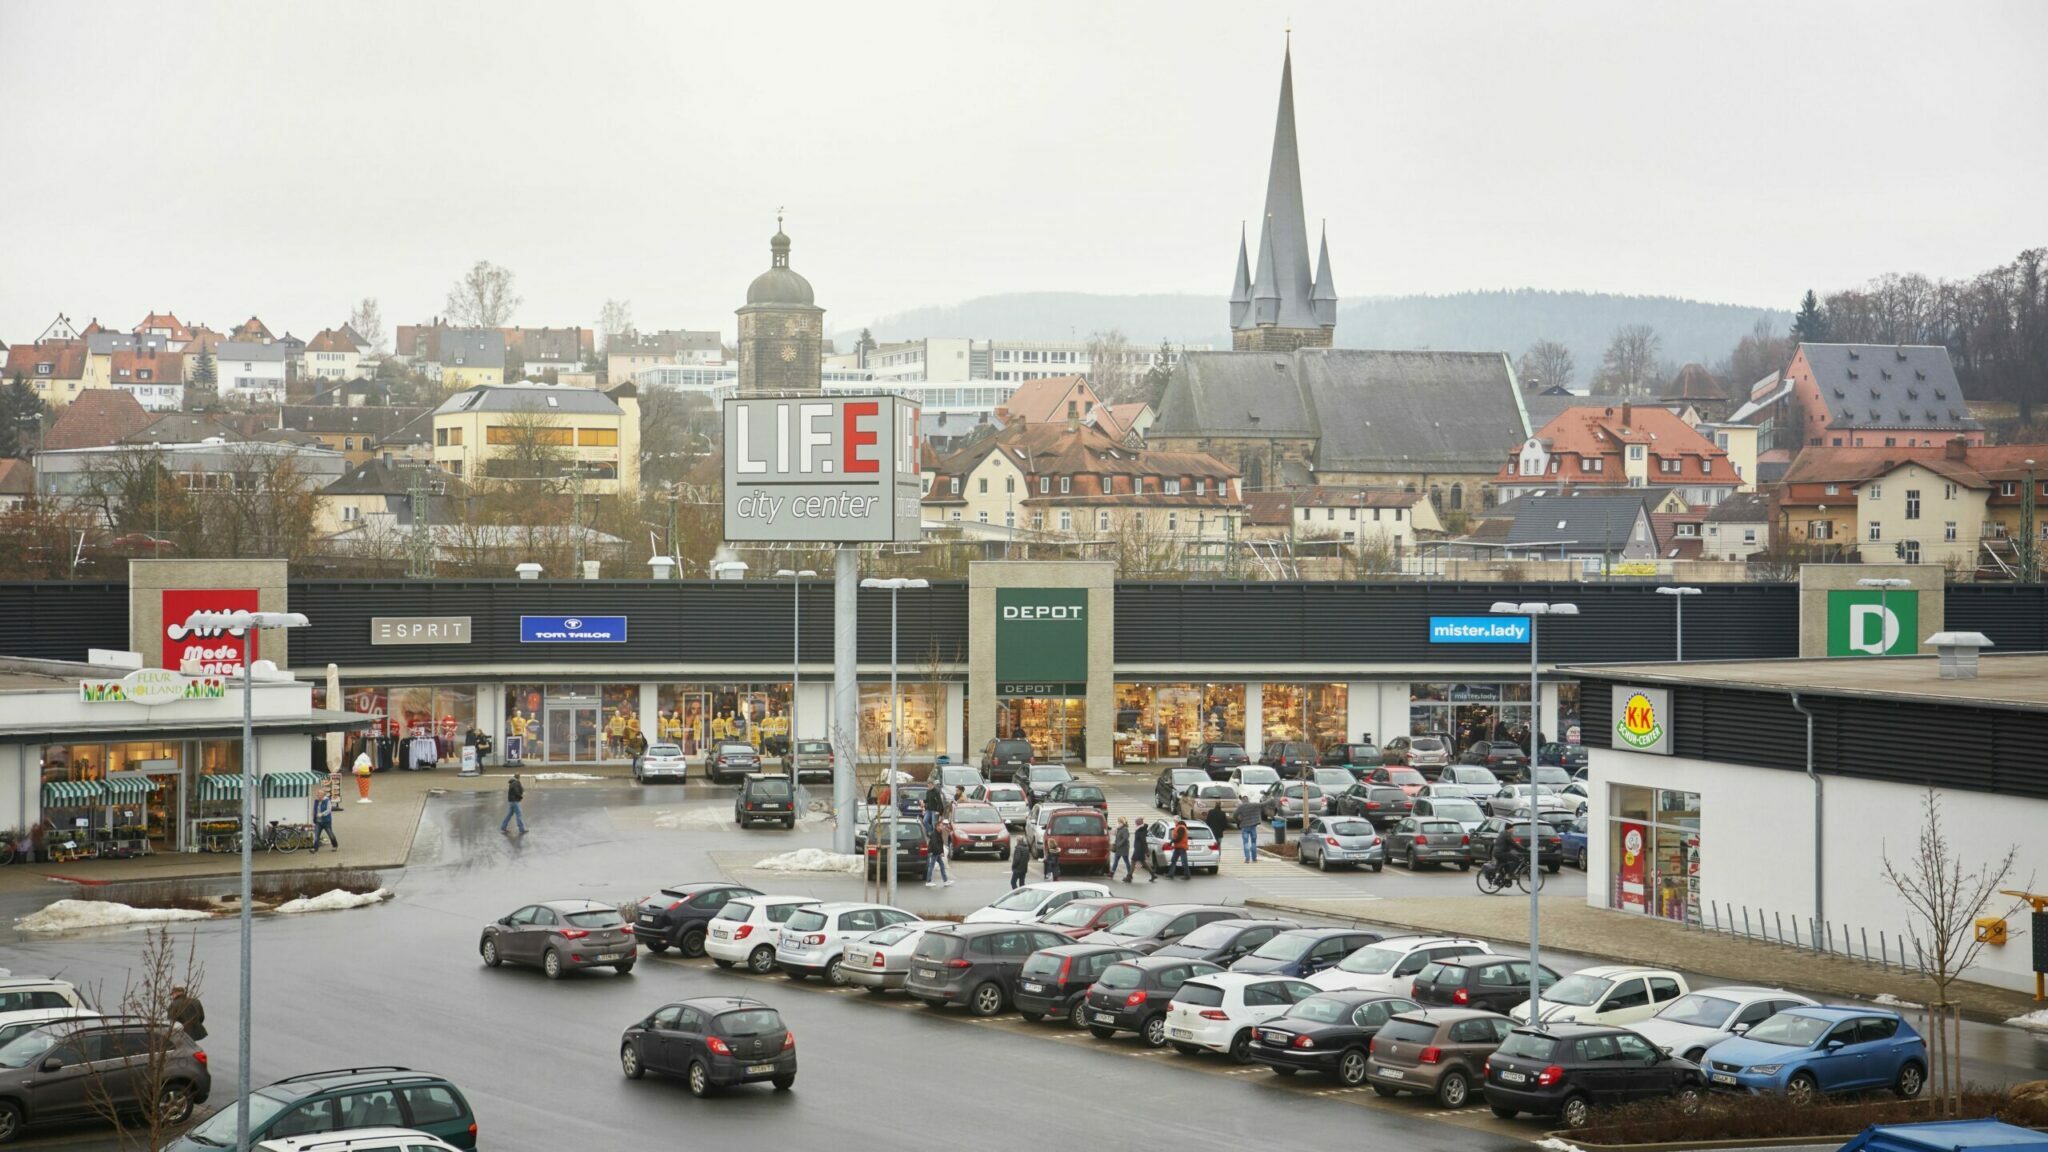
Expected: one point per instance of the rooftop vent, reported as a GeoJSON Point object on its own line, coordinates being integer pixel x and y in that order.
{"type": "Point", "coordinates": [1958, 653]}
{"type": "Point", "coordinates": [1839, 394]}
{"type": "Point", "coordinates": [1900, 353]}
{"type": "Point", "coordinates": [1852, 374]}
{"type": "Point", "coordinates": [1912, 393]}
{"type": "Point", "coordinates": [1885, 372]}
{"type": "Point", "coordinates": [1855, 355]}
{"type": "Point", "coordinates": [528, 571]}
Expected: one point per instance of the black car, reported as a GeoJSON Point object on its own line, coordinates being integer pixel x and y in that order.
{"type": "Point", "coordinates": [1076, 794]}
{"type": "Point", "coordinates": [1302, 952]}
{"type": "Point", "coordinates": [1225, 942]}
{"type": "Point", "coordinates": [1567, 756]}
{"type": "Point", "coordinates": [1330, 1032]}
{"type": "Point", "coordinates": [728, 759]}
{"type": "Point", "coordinates": [1000, 759]}
{"type": "Point", "coordinates": [1567, 1070]}
{"type": "Point", "coordinates": [675, 916]}
{"type": "Point", "coordinates": [1550, 838]}
{"type": "Point", "coordinates": [975, 964]}
{"type": "Point", "coordinates": [1502, 756]}
{"type": "Point", "coordinates": [1132, 995]}
{"type": "Point", "coordinates": [1494, 983]}
{"type": "Point", "coordinates": [1055, 982]}
{"type": "Point", "coordinates": [712, 1042]}
{"type": "Point", "coordinates": [1149, 929]}
{"type": "Point", "coordinates": [1355, 757]}
{"type": "Point", "coordinates": [1038, 780]}
{"type": "Point", "coordinates": [1289, 757]}
{"type": "Point", "coordinates": [913, 848]}
{"type": "Point", "coordinates": [764, 799]}
{"type": "Point", "coordinates": [1172, 782]}
{"type": "Point", "coordinates": [1218, 759]}
{"type": "Point", "coordinates": [1385, 805]}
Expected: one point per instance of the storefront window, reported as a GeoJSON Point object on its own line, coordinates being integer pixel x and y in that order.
{"type": "Point", "coordinates": [570, 723]}
{"type": "Point", "coordinates": [1317, 713]}
{"type": "Point", "coordinates": [1654, 852]}
{"type": "Point", "coordinates": [699, 715]}
{"type": "Point", "coordinates": [1468, 712]}
{"type": "Point", "coordinates": [1568, 711]}
{"type": "Point", "coordinates": [1056, 726]}
{"type": "Point", "coordinates": [923, 720]}
{"type": "Point", "coordinates": [1168, 721]}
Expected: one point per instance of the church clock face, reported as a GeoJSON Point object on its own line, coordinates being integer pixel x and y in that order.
{"type": "Point", "coordinates": [788, 354]}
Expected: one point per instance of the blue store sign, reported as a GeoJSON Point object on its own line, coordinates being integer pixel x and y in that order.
{"type": "Point", "coordinates": [572, 629]}
{"type": "Point", "coordinates": [1478, 629]}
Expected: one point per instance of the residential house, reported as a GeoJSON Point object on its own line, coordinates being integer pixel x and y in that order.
{"type": "Point", "coordinates": [54, 369]}
{"type": "Point", "coordinates": [1599, 528]}
{"type": "Point", "coordinates": [250, 372]}
{"type": "Point", "coordinates": [156, 379]}
{"type": "Point", "coordinates": [1696, 388]}
{"type": "Point", "coordinates": [1961, 505]}
{"type": "Point", "coordinates": [333, 355]}
{"type": "Point", "coordinates": [17, 483]}
{"type": "Point", "coordinates": [360, 434]}
{"type": "Point", "coordinates": [626, 354]}
{"type": "Point", "coordinates": [540, 433]}
{"type": "Point", "coordinates": [470, 358]}
{"type": "Point", "coordinates": [1739, 441]}
{"type": "Point", "coordinates": [556, 350]}
{"type": "Point", "coordinates": [1070, 399]}
{"type": "Point", "coordinates": [60, 331]}
{"type": "Point", "coordinates": [1680, 535]}
{"type": "Point", "coordinates": [97, 418]}
{"type": "Point", "coordinates": [1368, 517]}
{"type": "Point", "coordinates": [1738, 527]}
{"type": "Point", "coordinates": [1619, 446]}
{"type": "Point", "coordinates": [251, 331]}
{"type": "Point", "coordinates": [1135, 419]}
{"type": "Point", "coordinates": [175, 332]}
{"type": "Point", "coordinates": [1879, 396]}
{"type": "Point", "coordinates": [376, 497]}
{"type": "Point", "coordinates": [1772, 409]}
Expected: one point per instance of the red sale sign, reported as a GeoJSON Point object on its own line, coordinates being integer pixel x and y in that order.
{"type": "Point", "coordinates": [211, 652]}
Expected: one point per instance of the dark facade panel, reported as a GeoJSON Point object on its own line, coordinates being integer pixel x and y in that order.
{"type": "Point", "coordinates": [2014, 616]}
{"type": "Point", "coordinates": [60, 620]}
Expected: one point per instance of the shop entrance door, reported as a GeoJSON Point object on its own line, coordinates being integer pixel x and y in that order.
{"type": "Point", "coordinates": [571, 736]}
{"type": "Point", "coordinates": [165, 806]}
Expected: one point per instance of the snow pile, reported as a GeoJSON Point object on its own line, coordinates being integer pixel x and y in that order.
{"type": "Point", "coordinates": [65, 915]}
{"type": "Point", "coordinates": [810, 860]}
{"type": "Point", "coordinates": [334, 900]}
{"type": "Point", "coordinates": [1891, 1001]}
{"type": "Point", "coordinates": [2033, 1021]}
{"type": "Point", "coordinates": [566, 776]}
{"type": "Point", "coordinates": [1553, 1144]}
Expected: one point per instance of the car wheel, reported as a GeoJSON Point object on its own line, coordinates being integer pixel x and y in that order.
{"type": "Point", "coordinates": [699, 1079]}
{"type": "Point", "coordinates": [1241, 1047]}
{"type": "Point", "coordinates": [657, 945]}
{"type": "Point", "coordinates": [721, 963]}
{"type": "Point", "coordinates": [987, 999]}
{"type": "Point", "coordinates": [1802, 1088]}
{"type": "Point", "coordinates": [625, 969]}
{"type": "Point", "coordinates": [1688, 1101]}
{"type": "Point", "coordinates": [1503, 1111]}
{"type": "Point", "coordinates": [1453, 1089]}
{"type": "Point", "coordinates": [629, 1062]}
{"type": "Point", "coordinates": [1322, 862]}
{"type": "Point", "coordinates": [1077, 1015]}
{"type": "Point", "coordinates": [1412, 865]}
{"type": "Point", "coordinates": [1153, 1032]}
{"type": "Point", "coordinates": [10, 1122]}
{"type": "Point", "coordinates": [490, 952]}
{"type": "Point", "coordinates": [1383, 1090]}
{"type": "Point", "coordinates": [1696, 1055]}
{"type": "Point", "coordinates": [1378, 866]}
{"type": "Point", "coordinates": [1582, 859]}
{"type": "Point", "coordinates": [1911, 1079]}
{"type": "Point", "coordinates": [1575, 1112]}
{"type": "Point", "coordinates": [551, 963]}
{"type": "Point", "coordinates": [1185, 1049]}
{"type": "Point", "coordinates": [174, 1103]}
{"type": "Point", "coordinates": [1351, 1067]}
{"type": "Point", "coordinates": [1101, 1033]}
{"type": "Point", "coordinates": [1464, 865]}
{"type": "Point", "coordinates": [784, 1083]}
{"type": "Point", "coordinates": [1553, 868]}
{"type": "Point", "coordinates": [835, 973]}
{"type": "Point", "coordinates": [761, 961]}
{"type": "Point", "coordinates": [692, 943]}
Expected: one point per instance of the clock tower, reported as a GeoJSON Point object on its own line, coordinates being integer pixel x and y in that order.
{"type": "Point", "coordinates": [782, 330]}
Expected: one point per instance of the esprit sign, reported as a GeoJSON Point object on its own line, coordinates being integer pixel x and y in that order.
{"type": "Point", "coordinates": [152, 686]}
{"type": "Point", "coordinates": [826, 469]}
{"type": "Point", "coordinates": [206, 651]}
{"type": "Point", "coordinates": [1642, 719]}
{"type": "Point", "coordinates": [1871, 622]}
{"type": "Point", "coordinates": [419, 630]}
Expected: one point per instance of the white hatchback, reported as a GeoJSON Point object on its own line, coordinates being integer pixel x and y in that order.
{"type": "Point", "coordinates": [1204, 853]}
{"type": "Point", "coordinates": [815, 938]}
{"type": "Point", "coordinates": [1008, 799]}
{"type": "Point", "coordinates": [1607, 994]}
{"type": "Point", "coordinates": [1390, 965]}
{"type": "Point", "coordinates": [1253, 781]}
{"type": "Point", "coordinates": [1218, 1012]}
{"type": "Point", "coordinates": [1697, 1021]}
{"type": "Point", "coordinates": [663, 762]}
{"type": "Point", "coordinates": [1034, 902]}
{"type": "Point", "coordinates": [748, 928]}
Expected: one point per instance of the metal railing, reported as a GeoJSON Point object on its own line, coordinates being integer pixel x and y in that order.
{"type": "Point", "coordinates": [1890, 951]}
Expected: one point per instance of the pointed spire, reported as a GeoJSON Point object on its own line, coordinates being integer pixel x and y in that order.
{"type": "Point", "coordinates": [1266, 300]}
{"type": "Point", "coordinates": [1325, 296]}
{"type": "Point", "coordinates": [1283, 268]}
{"type": "Point", "coordinates": [1241, 288]}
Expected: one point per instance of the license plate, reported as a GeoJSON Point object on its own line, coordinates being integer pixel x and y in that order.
{"type": "Point", "coordinates": [1727, 1078]}
{"type": "Point", "coordinates": [1103, 1018]}
{"type": "Point", "coordinates": [1181, 1034]}
{"type": "Point", "coordinates": [775, 807]}
{"type": "Point", "coordinates": [928, 973]}
{"type": "Point", "coordinates": [1077, 851]}
{"type": "Point", "coordinates": [720, 933]}
{"type": "Point", "coordinates": [1508, 1077]}
{"type": "Point", "coordinates": [647, 917]}
{"type": "Point", "coordinates": [610, 956]}
{"type": "Point", "coordinates": [1030, 987]}
{"type": "Point", "coordinates": [1392, 1073]}
{"type": "Point", "coordinates": [760, 1069]}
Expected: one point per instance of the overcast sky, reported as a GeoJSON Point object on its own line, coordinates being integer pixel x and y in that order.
{"type": "Point", "coordinates": [220, 159]}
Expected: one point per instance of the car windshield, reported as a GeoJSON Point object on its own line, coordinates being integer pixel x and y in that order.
{"type": "Point", "coordinates": [1699, 1010]}
{"type": "Point", "coordinates": [1077, 825]}
{"type": "Point", "coordinates": [1074, 915]}
{"type": "Point", "coordinates": [1372, 961]}
{"type": "Point", "coordinates": [1460, 810]}
{"type": "Point", "coordinates": [1407, 1031]}
{"type": "Point", "coordinates": [737, 910]}
{"type": "Point", "coordinates": [219, 1129]}
{"type": "Point", "coordinates": [750, 1022]}
{"type": "Point", "coordinates": [939, 946]}
{"type": "Point", "coordinates": [813, 748]}
{"type": "Point", "coordinates": [1081, 792]}
{"type": "Point", "coordinates": [1426, 744]}
{"type": "Point", "coordinates": [599, 918]}
{"type": "Point", "coordinates": [1013, 748]}
{"type": "Point", "coordinates": [664, 750]}
{"type": "Point", "coordinates": [1578, 990]}
{"type": "Point", "coordinates": [1022, 900]}
{"type": "Point", "coordinates": [1049, 773]}
{"type": "Point", "coordinates": [1528, 1045]}
{"type": "Point", "coordinates": [958, 774]}
{"type": "Point", "coordinates": [1006, 793]}
{"type": "Point", "coordinates": [1329, 777]}
{"type": "Point", "coordinates": [1350, 828]}
{"type": "Point", "coordinates": [26, 1048]}
{"type": "Point", "coordinates": [1388, 795]}
{"type": "Point", "coordinates": [1321, 1009]}
{"type": "Point", "coordinates": [976, 814]}
{"type": "Point", "coordinates": [1225, 750]}
{"type": "Point", "coordinates": [1121, 976]}
{"type": "Point", "coordinates": [1199, 994]}
{"type": "Point", "coordinates": [1258, 775]}
{"type": "Point", "coordinates": [774, 787]}
{"type": "Point", "coordinates": [808, 920]}
{"type": "Point", "coordinates": [1286, 946]}
{"type": "Point", "coordinates": [1443, 827]}
{"type": "Point", "coordinates": [1790, 1030]}
{"type": "Point", "coordinates": [891, 935]}
{"type": "Point", "coordinates": [1144, 922]}
{"type": "Point", "coordinates": [735, 749]}
{"type": "Point", "coordinates": [1200, 831]}
{"type": "Point", "coordinates": [1214, 935]}
{"type": "Point", "coordinates": [1555, 777]}
{"type": "Point", "coordinates": [1215, 792]}
{"type": "Point", "coordinates": [1405, 776]}
{"type": "Point", "coordinates": [1184, 776]}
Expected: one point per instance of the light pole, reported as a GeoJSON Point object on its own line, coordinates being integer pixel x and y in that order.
{"type": "Point", "coordinates": [1678, 595]}
{"type": "Point", "coordinates": [1534, 611]}
{"type": "Point", "coordinates": [796, 653]}
{"type": "Point", "coordinates": [246, 624]}
{"type": "Point", "coordinates": [894, 585]}
{"type": "Point", "coordinates": [1884, 585]}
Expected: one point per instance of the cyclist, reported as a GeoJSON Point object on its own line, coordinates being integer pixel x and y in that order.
{"type": "Point", "coordinates": [1506, 861]}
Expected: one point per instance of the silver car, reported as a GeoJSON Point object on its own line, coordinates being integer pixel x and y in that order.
{"type": "Point", "coordinates": [1516, 796]}
{"type": "Point", "coordinates": [812, 758]}
{"type": "Point", "coordinates": [1008, 799]}
{"type": "Point", "coordinates": [1428, 752]}
{"type": "Point", "coordinates": [1341, 841]}
{"type": "Point", "coordinates": [1292, 802]}
{"type": "Point", "coordinates": [662, 762]}
{"type": "Point", "coordinates": [880, 960]}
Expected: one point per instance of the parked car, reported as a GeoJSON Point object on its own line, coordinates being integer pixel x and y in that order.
{"type": "Point", "coordinates": [1083, 918]}
{"type": "Point", "coordinates": [1289, 757]}
{"type": "Point", "coordinates": [1406, 779]}
{"type": "Point", "coordinates": [977, 829]}
{"type": "Point", "coordinates": [1341, 840]}
{"type": "Point", "coordinates": [905, 836]}
{"type": "Point", "coordinates": [748, 929]}
{"type": "Point", "coordinates": [764, 799]}
{"type": "Point", "coordinates": [1074, 794]}
{"type": "Point", "coordinates": [1606, 994]}
{"type": "Point", "coordinates": [976, 965]}
{"type": "Point", "coordinates": [1217, 1013]}
{"type": "Point", "coordinates": [1807, 1052]}
{"type": "Point", "coordinates": [1353, 758]}
{"type": "Point", "coordinates": [662, 762]}
{"type": "Point", "coordinates": [814, 939]}
{"type": "Point", "coordinates": [1333, 781]}
{"type": "Point", "coordinates": [1579, 795]}
{"type": "Point", "coordinates": [1436, 1052]}
{"type": "Point", "coordinates": [1501, 757]}
{"type": "Point", "coordinates": [560, 936]}
{"type": "Point", "coordinates": [1204, 853]}
{"type": "Point", "coordinates": [1472, 781]}
{"type": "Point", "coordinates": [1549, 841]}
{"type": "Point", "coordinates": [20, 993]}
{"type": "Point", "coordinates": [67, 1070]}
{"type": "Point", "coordinates": [1495, 983]}
{"type": "Point", "coordinates": [1390, 965]}
{"type": "Point", "coordinates": [316, 1102]}
{"type": "Point", "coordinates": [1224, 942]}
{"type": "Point", "coordinates": [713, 1042]}
{"type": "Point", "coordinates": [1299, 952]}
{"type": "Point", "coordinates": [676, 916]}
{"type": "Point", "coordinates": [1196, 801]}
{"type": "Point", "coordinates": [1509, 797]}
{"type": "Point", "coordinates": [359, 1140]}
{"type": "Point", "coordinates": [1009, 801]}
{"type": "Point", "coordinates": [1296, 802]}
{"type": "Point", "coordinates": [1034, 902]}
{"type": "Point", "coordinates": [1252, 781]}
{"type": "Point", "coordinates": [1696, 1021]}
{"type": "Point", "coordinates": [951, 776]}
{"type": "Point", "coordinates": [808, 759]}
{"type": "Point", "coordinates": [730, 759]}
{"type": "Point", "coordinates": [13, 1024]}
{"type": "Point", "coordinates": [1574, 836]}
{"type": "Point", "coordinates": [1038, 780]}
{"type": "Point", "coordinates": [1150, 929]}
{"type": "Point", "coordinates": [904, 795]}
{"type": "Point", "coordinates": [1329, 1032]}
{"type": "Point", "coordinates": [1382, 804]}
{"type": "Point", "coordinates": [1001, 759]}
{"type": "Point", "coordinates": [1395, 751]}
{"type": "Point", "coordinates": [1568, 756]}
{"type": "Point", "coordinates": [1166, 791]}
{"type": "Point", "coordinates": [1217, 759]}
{"type": "Point", "coordinates": [1054, 982]}
{"type": "Point", "coordinates": [1567, 1070]}
{"type": "Point", "coordinates": [1549, 776]}
{"type": "Point", "coordinates": [880, 960]}
{"type": "Point", "coordinates": [1079, 835]}
{"type": "Point", "coordinates": [1132, 996]}
{"type": "Point", "coordinates": [1420, 840]}
{"type": "Point", "coordinates": [1463, 810]}
{"type": "Point", "coordinates": [1425, 752]}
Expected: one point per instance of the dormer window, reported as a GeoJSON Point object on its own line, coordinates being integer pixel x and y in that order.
{"type": "Point", "coordinates": [1066, 485]}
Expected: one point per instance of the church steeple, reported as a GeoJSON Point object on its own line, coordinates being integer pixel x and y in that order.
{"type": "Point", "coordinates": [1325, 296]}
{"type": "Point", "coordinates": [1287, 307]}
{"type": "Point", "coordinates": [1241, 288]}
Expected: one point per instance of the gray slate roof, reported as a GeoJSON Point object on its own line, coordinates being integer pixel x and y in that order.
{"type": "Point", "coordinates": [530, 398]}
{"type": "Point", "coordinates": [1741, 507]}
{"type": "Point", "coordinates": [242, 350]}
{"type": "Point", "coordinates": [1450, 411]}
{"type": "Point", "coordinates": [1889, 386]}
{"type": "Point", "coordinates": [473, 348]}
{"type": "Point", "coordinates": [1594, 521]}
{"type": "Point", "coordinates": [1224, 393]}
{"type": "Point", "coordinates": [101, 343]}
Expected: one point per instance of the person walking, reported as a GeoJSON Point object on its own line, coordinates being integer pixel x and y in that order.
{"type": "Point", "coordinates": [937, 837]}
{"type": "Point", "coordinates": [1177, 865]}
{"type": "Point", "coordinates": [187, 1012]}
{"type": "Point", "coordinates": [515, 791]}
{"type": "Point", "coordinates": [1217, 820]}
{"type": "Point", "coordinates": [1140, 853]}
{"type": "Point", "coordinates": [1052, 855]}
{"type": "Point", "coordinates": [1248, 815]}
{"type": "Point", "coordinates": [323, 823]}
{"type": "Point", "coordinates": [1120, 846]}
{"type": "Point", "coordinates": [362, 770]}
{"type": "Point", "coordinates": [1020, 861]}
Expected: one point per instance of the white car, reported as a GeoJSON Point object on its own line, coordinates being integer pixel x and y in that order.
{"type": "Point", "coordinates": [815, 938]}
{"type": "Point", "coordinates": [880, 960]}
{"type": "Point", "coordinates": [1252, 781]}
{"type": "Point", "coordinates": [1697, 1021]}
{"type": "Point", "coordinates": [1217, 1012]}
{"type": "Point", "coordinates": [1334, 781]}
{"type": "Point", "coordinates": [21, 993]}
{"type": "Point", "coordinates": [1513, 796]}
{"type": "Point", "coordinates": [1467, 780]}
{"type": "Point", "coordinates": [1578, 794]}
{"type": "Point", "coordinates": [663, 762]}
{"type": "Point", "coordinates": [1607, 994]}
{"type": "Point", "coordinates": [1430, 805]}
{"type": "Point", "coordinates": [1008, 799]}
{"type": "Point", "coordinates": [1034, 902]}
{"type": "Point", "coordinates": [1428, 752]}
{"type": "Point", "coordinates": [1390, 965]}
{"type": "Point", "coordinates": [1204, 853]}
{"type": "Point", "coordinates": [13, 1024]}
{"type": "Point", "coordinates": [952, 776]}
{"type": "Point", "coordinates": [359, 1140]}
{"type": "Point", "coordinates": [748, 928]}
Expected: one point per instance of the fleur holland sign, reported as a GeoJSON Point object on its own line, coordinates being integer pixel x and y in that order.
{"type": "Point", "coordinates": [152, 686]}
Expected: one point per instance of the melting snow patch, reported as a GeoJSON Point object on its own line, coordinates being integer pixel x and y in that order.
{"type": "Point", "coordinates": [810, 860]}
{"type": "Point", "coordinates": [1553, 1144]}
{"type": "Point", "coordinates": [334, 900]}
{"type": "Point", "coordinates": [1891, 1001]}
{"type": "Point", "coordinates": [68, 914]}
{"type": "Point", "coordinates": [566, 776]}
{"type": "Point", "coordinates": [2034, 1021]}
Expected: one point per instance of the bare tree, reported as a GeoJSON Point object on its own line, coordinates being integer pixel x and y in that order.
{"type": "Point", "coordinates": [368, 322]}
{"type": "Point", "coordinates": [1943, 899]}
{"type": "Point", "coordinates": [1757, 355]}
{"type": "Point", "coordinates": [483, 298]}
{"type": "Point", "coordinates": [1629, 367]}
{"type": "Point", "coordinates": [1112, 370]}
{"type": "Point", "coordinates": [529, 445]}
{"type": "Point", "coordinates": [140, 1091]}
{"type": "Point", "coordinates": [1546, 364]}
{"type": "Point", "coordinates": [614, 319]}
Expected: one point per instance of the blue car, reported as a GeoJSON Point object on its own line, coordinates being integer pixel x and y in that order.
{"type": "Point", "coordinates": [1300, 951]}
{"type": "Point", "coordinates": [1575, 843]}
{"type": "Point", "coordinates": [1805, 1053]}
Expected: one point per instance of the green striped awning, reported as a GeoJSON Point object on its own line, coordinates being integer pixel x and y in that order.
{"type": "Point", "coordinates": [277, 785]}
{"type": "Point", "coordinates": [220, 786]}
{"type": "Point", "coordinates": [71, 793]}
{"type": "Point", "coordinates": [128, 787]}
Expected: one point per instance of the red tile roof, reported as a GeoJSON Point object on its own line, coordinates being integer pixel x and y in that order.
{"type": "Point", "coordinates": [1588, 432]}
{"type": "Point", "coordinates": [17, 478]}
{"type": "Point", "coordinates": [252, 330]}
{"type": "Point", "coordinates": [66, 359]}
{"type": "Point", "coordinates": [175, 327]}
{"type": "Point", "coordinates": [128, 364]}
{"type": "Point", "coordinates": [330, 340]}
{"type": "Point", "coordinates": [96, 418]}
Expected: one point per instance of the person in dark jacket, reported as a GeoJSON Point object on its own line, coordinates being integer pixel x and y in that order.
{"type": "Point", "coordinates": [1216, 821]}
{"type": "Point", "coordinates": [515, 792]}
{"type": "Point", "coordinates": [188, 1013]}
{"type": "Point", "coordinates": [1020, 860]}
{"type": "Point", "coordinates": [1139, 853]}
{"type": "Point", "coordinates": [1120, 846]}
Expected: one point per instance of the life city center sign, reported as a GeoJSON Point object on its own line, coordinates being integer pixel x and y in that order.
{"type": "Point", "coordinates": [822, 470]}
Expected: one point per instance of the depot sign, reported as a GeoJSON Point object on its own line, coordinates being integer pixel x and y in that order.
{"type": "Point", "coordinates": [1041, 642]}
{"type": "Point", "coordinates": [822, 470]}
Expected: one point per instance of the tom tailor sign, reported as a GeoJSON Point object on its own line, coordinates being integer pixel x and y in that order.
{"type": "Point", "coordinates": [824, 470]}
{"type": "Point", "coordinates": [1642, 719]}
{"type": "Point", "coordinates": [419, 630]}
{"type": "Point", "coordinates": [572, 629]}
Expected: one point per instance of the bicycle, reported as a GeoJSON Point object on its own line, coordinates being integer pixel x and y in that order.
{"type": "Point", "coordinates": [279, 837]}
{"type": "Point", "coordinates": [1492, 880]}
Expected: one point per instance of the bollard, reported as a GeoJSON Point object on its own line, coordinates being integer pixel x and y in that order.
{"type": "Point", "coordinates": [1884, 952]}
{"type": "Point", "coordinates": [1831, 936]}
{"type": "Point", "coordinates": [1781, 928]}
{"type": "Point", "coordinates": [1745, 922]}
{"type": "Point", "coordinates": [1866, 944]}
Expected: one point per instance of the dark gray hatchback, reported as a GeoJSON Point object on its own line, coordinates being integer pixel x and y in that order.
{"type": "Point", "coordinates": [975, 964]}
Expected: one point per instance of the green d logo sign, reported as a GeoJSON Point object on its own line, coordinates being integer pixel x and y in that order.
{"type": "Point", "coordinates": [1872, 623]}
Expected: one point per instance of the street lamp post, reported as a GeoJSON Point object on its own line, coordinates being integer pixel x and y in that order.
{"type": "Point", "coordinates": [796, 655]}
{"type": "Point", "coordinates": [1884, 585]}
{"type": "Point", "coordinates": [246, 624]}
{"type": "Point", "coordinates": [1678, 595]}
{"type": "Point", "coordinates": [894, 585]}
{"type": "Point", "coordinates": [1534, 611]}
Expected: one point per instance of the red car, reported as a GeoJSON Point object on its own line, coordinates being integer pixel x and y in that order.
{"type": "Point", "coordinates": [1398, 775]}
{"type": "Point", "coordinates": [1080, 918]}
{"type": "Point", "coordinates": [977, 828]}
{"type": "Point", "coordinates": [1080, 836]}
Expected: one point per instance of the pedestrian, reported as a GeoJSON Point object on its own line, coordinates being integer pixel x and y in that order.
{"type": "Point", "coordinates": [514, 793]}
{"type": "Point", "coordinates": [1120, 846]}
{"type": "Point", "coordinates": [639, 743]}
{"type": "Point", "coordinates": [1217, 820]}
{"type": "Point", "coordinates": [362, 771]}
{"type": "Point", "coordinates": [937, 838]}
{"type": "Point", "coordinates": [323, 823]}
{"type": "Point", "coordinates": [1248, 815]}
{"type": "Point", "coordinates": [1020, 861]}
{"type": "Point", "coordinates": [1052, 855]}
{"type": "Point", "coordinates": [1141, 854]}
{"type": "Point", "coordinates": [188, 1013]}
{"type": "Point", "coordinates": [1178, 864]}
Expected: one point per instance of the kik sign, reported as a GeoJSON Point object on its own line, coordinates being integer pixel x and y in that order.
{"type": "Point", "coordinates": [1041, 641]}
{"type": "Point", "coordinates": [1873, 622]}
{"type": "Point", "coordinates": [1642, 720]}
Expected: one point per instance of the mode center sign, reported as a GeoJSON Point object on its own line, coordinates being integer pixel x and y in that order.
{"type": "Point", "coordinates": [823, 469]}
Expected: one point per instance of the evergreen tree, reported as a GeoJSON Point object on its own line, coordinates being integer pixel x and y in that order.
{"type": "Point", "coordinates": [205, 373]}
{"type": "Point", "coordinates": [1811, 325]}
{"type": "Point", "coordinates": [21, 411]}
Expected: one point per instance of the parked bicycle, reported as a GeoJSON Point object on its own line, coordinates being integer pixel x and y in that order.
{"type": "Point", "coordinates": [278, 837]}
